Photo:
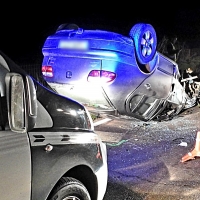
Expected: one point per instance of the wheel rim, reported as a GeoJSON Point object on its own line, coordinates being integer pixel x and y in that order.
{"type": "Point", "coordinates": [147, 44]}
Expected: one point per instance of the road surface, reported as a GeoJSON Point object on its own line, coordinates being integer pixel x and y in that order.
{"type": "Point", "coordinates": [144, 158]}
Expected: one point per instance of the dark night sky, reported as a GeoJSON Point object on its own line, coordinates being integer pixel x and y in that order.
{"type": "Point", "coordinates": [24, 28]}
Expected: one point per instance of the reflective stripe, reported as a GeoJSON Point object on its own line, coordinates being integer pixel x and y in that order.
{"type": "Point", "coordinates": [55, 138]}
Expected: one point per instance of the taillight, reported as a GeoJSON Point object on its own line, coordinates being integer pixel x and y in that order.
{"type": "Point", "coordinates": [47, 71]}
{"type": "Point", "coordinates": [101, 76]}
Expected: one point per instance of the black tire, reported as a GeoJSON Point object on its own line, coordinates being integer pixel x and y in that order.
{"type": "Point", "coordinates": [68, 26]}
{"type": "Point", "coordinates": [69, 189]}
{"type": "Point", "coordinates": [145, 40]}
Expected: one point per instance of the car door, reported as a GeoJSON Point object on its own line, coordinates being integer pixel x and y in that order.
{"type": "Point", "coordinates": [15, 170]}
{"type": "Point", "coordinates": [152, 93]}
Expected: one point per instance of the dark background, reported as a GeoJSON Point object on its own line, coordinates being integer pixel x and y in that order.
{"type": "Point", "coordinates": [24, 27]}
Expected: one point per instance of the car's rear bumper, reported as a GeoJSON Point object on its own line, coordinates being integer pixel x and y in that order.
{"type": "Point", "coordinates": [91, 96]}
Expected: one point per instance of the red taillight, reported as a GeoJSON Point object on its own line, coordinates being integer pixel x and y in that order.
{"type": "Point", "coordinates": [101, 76]}
{"type": "Point", "coordinates": [47, 71]}
{"type": "Point", "coordinates": [94, 73]}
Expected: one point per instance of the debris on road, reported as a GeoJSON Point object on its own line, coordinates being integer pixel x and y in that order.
{"type": "Point", "coordinates": [183, 144]}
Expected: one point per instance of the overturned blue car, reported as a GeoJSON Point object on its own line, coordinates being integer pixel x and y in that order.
{"type": "Point", "coordinates": [108, 71]}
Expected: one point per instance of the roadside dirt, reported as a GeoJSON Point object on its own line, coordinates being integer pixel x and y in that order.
{"type": "Point", "coordinates": [144, 158]}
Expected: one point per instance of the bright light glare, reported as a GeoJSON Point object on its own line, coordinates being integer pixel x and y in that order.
{"type": "Point", "coordinates": [80, 112]}
{"type": "Point", "coordinates": [84, 138]}
{"type": "Point", "coordinates": [59, 110]}
{"type": "Point", "coordinates": [73, 112]}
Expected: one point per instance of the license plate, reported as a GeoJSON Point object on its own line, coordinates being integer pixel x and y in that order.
{"type": "Point", "coordinates": [76, 45]}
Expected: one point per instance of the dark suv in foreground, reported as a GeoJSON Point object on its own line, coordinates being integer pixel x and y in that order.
{"type": "Point", "coordinates": [48, 147]}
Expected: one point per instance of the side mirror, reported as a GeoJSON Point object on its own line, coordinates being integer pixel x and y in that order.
{"type": "Point", "coordinates": [22, 102]}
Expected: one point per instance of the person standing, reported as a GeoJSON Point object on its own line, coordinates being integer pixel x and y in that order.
{"type": "Point", "coordinates": [172, 51]}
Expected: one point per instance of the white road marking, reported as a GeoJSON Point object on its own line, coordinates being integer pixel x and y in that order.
{"type": "Point", "coordinates": [102, 121]}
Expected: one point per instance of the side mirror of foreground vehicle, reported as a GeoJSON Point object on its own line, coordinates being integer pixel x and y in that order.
{"type": "Point", "coordinates": [21, 100]}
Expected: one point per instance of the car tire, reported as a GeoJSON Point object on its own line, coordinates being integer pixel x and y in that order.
{"type": "Point", "coordinates": [68, 26]}
{"type": "Point", "coordinates": [69, 189]}
{"type": "Point", "coordinates": [145, 41]}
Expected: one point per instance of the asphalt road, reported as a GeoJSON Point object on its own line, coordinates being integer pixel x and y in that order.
{"type": "Point", "coordinates": [144, 158]}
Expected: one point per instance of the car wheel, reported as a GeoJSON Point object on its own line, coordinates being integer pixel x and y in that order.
{"type": "Point", "coordinates": [69, 189]}
{"type": "Point", "coordinates": [145, 40]}
{"type": "Point", "coordinates": [67, 26]}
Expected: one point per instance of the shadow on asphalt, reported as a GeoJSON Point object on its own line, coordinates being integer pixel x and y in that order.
{"type": "Point", "coordinates": [120, 192]}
